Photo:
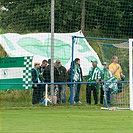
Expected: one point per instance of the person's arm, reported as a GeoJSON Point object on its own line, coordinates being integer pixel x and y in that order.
{"type": "Point", "coordinates": [99, 76]}
{"type": "Point", "coordinates": [89, 75]}
{"type": "Point", "coordinates": [33, 73]}
{"type": "Point", "coordinates": [114, 71]}
{"type": "Point", "coordinates": [122, 76]}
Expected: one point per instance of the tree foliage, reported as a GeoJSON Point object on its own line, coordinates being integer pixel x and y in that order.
{"type": "Point", "coordinates": [107, 18]}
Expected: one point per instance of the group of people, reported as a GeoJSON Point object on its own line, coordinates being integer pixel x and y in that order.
{"type": "Point", "coordinates": [42, 74]}
{"type": "Point", "coordinates": [104, 78]}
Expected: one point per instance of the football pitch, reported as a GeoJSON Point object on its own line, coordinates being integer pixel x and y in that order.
{"type": "Point", "coordinates": [65, 119]}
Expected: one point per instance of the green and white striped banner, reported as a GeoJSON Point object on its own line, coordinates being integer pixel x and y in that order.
{"type": "Point", "coordinates": [112, 84]}
{"type": "Point", "coordinates": [15, 73]}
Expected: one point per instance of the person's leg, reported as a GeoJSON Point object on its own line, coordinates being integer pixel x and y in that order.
{"type": "Point", "coordinates": [59, 94]}
{"type": "Point", "coordinates": [88, 94]}
{"type": "Point", "coordinates": [95, 94]}
{"type": "Point", "coordinates": [108, 96]}
{"type": "Point", "coordinates": [39, 93]}
{"type": "Point", "coordinates": [42, 92]}
{"type": "Point", "coordinates": [117, 98]}
{"type": "Point", "coordinates": [74, 91]}
{"type": "Point", "coordinates": [101, 94]}
{"type": "Point", "coordinates": [35, 95]}
{"type": "Point", "coordinates": [34, 101]}
{"type": "Point", "coordinates": [56, 94]}
{"type": "Point", "coordinates": [55, 100]}
{"type": "Point", "coordinates": [77, 93]}
{"type": "Point", "coordinates": [119, 91]}
{"type": "Point", "coordinates": [63, 93]}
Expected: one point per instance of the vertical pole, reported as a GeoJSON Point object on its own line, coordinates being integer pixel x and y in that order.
{"type": "Point", "coordinates": [46, 92]}
{"type": "Point", "coordinates": [131, 73]}
{"type": "Point", "coordinates": [52, 48]}
{"type": "Point", "coordinates": [83, 16]}
{"type": "Point", "coordinates": [71, 72]}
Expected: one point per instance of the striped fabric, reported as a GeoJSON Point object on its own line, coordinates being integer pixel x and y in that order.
{"type": "Point", "coordinates": [112, 84]}
{"type": "Point", "coordinates": [94, 74]}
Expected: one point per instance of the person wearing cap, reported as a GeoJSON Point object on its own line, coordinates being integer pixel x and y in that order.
{"type": "Point", "coordinates": [116, 70]}
{"type": "Point", "coordinates": [36, 78]}
{"type": "Point", "coordinates": [105, 75]}
{"type": "Point", "coordinates": [93, 78]}
{"type": "Point", "coordinates": [62, 78]}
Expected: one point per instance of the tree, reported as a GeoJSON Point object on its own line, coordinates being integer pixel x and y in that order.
{"type": "Point", "coordinates": [100, 18]}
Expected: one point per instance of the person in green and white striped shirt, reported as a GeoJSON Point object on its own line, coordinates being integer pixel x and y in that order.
{"type": "Point", "coordinates": [106, 74]}
{"type": "Point", "coordinates": [94, 76]}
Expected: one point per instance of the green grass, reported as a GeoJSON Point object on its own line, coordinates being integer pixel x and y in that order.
{"type": "Point", "coordinates": [65, 119]}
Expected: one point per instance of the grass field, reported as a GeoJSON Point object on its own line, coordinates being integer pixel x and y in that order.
{"type": "Point", "coordinates": [65, 119]}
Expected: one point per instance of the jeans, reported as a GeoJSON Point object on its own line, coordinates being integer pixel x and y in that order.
{"type": "Point", "coordinates": [108, 93]}
{"type": "Point", "coordinates": [77, 92]}
{"type": "Point", "coordinates": [62, 93]}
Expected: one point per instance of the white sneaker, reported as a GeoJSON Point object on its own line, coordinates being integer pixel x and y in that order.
{"type": "Point", "coordinates": [74, 102]}
{"type": "Point", "coordinates": [80, 102]}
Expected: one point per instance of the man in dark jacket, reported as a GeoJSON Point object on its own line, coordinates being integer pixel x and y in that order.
{"type": "Point", "coordinates": [62, 78]}
{"type": "Point", "coordinates": [41, 69]}
{"type": "Point", "coordinates": [47, 73]}
{"type": "Point", "coordinates": [47, 78]}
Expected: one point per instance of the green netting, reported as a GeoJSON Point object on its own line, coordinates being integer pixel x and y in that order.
{"type": "Point", "coordinates": [96, 18]}
{"type": "Point", "coordinates": [109, 50]}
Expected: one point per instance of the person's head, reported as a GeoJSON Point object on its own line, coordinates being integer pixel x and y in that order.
{"type": "Point", "coordinates": [105, 64]}
{"type": "Point", "coordinates": [44, 63]}
{"type": "Point", "coordinates": [36, 65]}
{"type": "Point", "coordinates": [115, 59]}
{"type": "Point", "coordinates": [49, 61]}
{"type": "Point", "coordinates": [94, 62]}
{"type": "Point", "coordinates": [57, 63]}
{"type": "Point", "coordinates": [77, 61]}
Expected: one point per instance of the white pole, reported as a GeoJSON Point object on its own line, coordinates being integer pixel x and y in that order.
{"type": "Point", "coordinates": [52, 48]}
{"type": "Point", "coordinates": [131, 73]}
{"type": "Point", "coordinates": [46, 92]}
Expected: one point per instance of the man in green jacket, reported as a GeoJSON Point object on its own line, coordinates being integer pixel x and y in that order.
{"type": "Point", "coordinates": [93, 78]}
{"type": "Point", "coordinates": [105, 75]}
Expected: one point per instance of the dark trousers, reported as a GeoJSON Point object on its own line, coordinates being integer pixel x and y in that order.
{"type": "Point", "coordinates": [36, 97]}
{"type": "Point", "coordinates": [77, 93]}
{"type": "Point", "coordinates": [101, 94]}
{"type": "Point", "coordinates": [95, 93]}
{"type": "Point", "coordinates": [108, 96]}
{"type": "Point", "coordinates": [42, 90]}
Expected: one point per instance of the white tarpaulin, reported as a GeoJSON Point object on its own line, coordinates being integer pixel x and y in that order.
{"type": "Point", "coordinates": [38, 45]}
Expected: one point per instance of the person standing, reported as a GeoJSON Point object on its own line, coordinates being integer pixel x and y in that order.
{"type": "Point", "coordinates": [36, 79]}
{"type": "Point", "coordinates": [94, 76]}
{"type": "Point", "coordinates": [43, 66]}
{"type": "Point", "coordinates": [41, 69]}
{"type": "Point", "coordinates": [47, 77]}
{"type": "Point", "coordinates": [75, 73]}
{"type": "Point", "coordinates": [62, 78]}
{"type": "Point", "coordinates": [116, 70]}
{"type": "Point", "coordinates": [105, 75]}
